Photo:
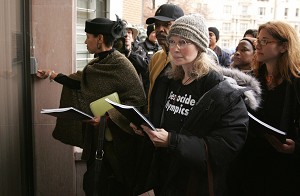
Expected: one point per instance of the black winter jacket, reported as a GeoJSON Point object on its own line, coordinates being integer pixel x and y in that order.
{"type": "Point", "coordinates": [219, 121]}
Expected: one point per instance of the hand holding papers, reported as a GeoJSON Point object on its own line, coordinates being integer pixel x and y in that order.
{"type": "Point", "coordinates": [132, 114]}
{"type": "Point", "coordinates": [272, 130]}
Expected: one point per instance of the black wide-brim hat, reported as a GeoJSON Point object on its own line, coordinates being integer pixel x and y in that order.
{"type": "Point", "coordinates": [165, 13]}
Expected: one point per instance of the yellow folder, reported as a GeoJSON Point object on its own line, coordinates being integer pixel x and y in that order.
{"type": "Point", "coordinates": [100, 106]}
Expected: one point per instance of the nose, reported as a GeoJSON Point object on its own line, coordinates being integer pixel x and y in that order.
{"type": "Point", "coordinates": [257, 46]}
{"type": "Point", "coordinates": [159, 28]}
{"type": "Point", "coordinates": [177, 48]}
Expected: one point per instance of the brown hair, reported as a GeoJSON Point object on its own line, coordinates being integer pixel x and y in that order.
{"type": "Point", "coordinates": [289, 61]}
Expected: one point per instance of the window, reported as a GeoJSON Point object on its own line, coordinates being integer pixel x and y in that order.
{"type": "Point", "coordinates": [85, 10]}
{"type": "Point", "coordinates": [243, 27]}
{"type": "Point", "coordinates": [286, 11]}
{"type": "Point", "coordinates": [227, 9]}
{"type": "Point", "coordinates": [226, 27]}
{"type": "Point", "coordinates": [244, 10]}
{"type": "Point", "coordinates": [261, 11]}
{"type": "Point", "coordinates": [225, 43]}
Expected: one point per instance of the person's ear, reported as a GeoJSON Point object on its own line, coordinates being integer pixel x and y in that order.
{"type": "Point", "coordinates": [100, 38]}
{"type": "Point", "coordinates": [284, 47]}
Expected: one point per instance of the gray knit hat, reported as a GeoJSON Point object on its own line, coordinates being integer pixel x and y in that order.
{"type": "Point", "coordinates": [191, 27]}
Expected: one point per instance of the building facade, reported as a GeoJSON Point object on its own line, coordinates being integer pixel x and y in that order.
{"type": "Point", "coordinates": [234, 17]}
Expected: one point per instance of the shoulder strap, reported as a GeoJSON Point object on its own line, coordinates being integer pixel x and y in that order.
{"type": "Point", "coordinates": [102, 125]}
{"type": "Point", "coordinates": [99, 154]}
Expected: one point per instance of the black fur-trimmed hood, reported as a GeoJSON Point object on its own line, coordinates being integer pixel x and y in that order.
{"type": "Point", "coordinates": [249, 84]}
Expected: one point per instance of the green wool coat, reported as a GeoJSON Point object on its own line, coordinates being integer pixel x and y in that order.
{"type": "Point", "coordinates": [99, 78]}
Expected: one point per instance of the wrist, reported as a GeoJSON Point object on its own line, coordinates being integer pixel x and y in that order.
{"type": "Point", "coordinates": [51, 76]}
{"type": "Point", "coordinates": [172, 140]}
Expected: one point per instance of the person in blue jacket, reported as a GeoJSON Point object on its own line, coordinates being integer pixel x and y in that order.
{"type": "Point", "coordinates": [223, 56]}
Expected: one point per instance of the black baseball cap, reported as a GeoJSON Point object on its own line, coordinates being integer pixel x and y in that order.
{"type": "Point", "coordinates": [165, 13]}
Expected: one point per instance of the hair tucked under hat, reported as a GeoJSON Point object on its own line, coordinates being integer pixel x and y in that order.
{"type": "Point", "coordinates": [215, 31]}
{"type": "Point", "coordinates": [150, 29]}
{"type": "Point", "coordinates": [134, 30]}
{"type": "Point", "coordinates": [106, 27]}
{"type": "Point", "coordinates": [251, 40]}
{"type": "Point", "coordinates": [191, 27]}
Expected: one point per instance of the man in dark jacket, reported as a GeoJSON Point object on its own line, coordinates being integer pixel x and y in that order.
{"type": "Point", "coordinates": [150, 45]}
{"type": "Point", "coordinates": [224, 57]}
{"type": "Point", "coordinates": [164, 17]}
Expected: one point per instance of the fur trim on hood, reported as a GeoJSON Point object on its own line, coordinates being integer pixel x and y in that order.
{"type": "Point", "coordinates": [249, 84]}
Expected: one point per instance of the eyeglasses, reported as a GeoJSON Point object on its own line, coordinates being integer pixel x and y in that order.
{"type": "Point", "coordinates": [265, 42]}
{"type": "Point", "coordinates": [181, 43]}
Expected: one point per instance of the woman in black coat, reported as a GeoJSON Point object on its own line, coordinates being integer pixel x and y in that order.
{"type": "Point", "coordinates": [201, 117]}
{"type": "Point", "coordinates": [269, 165]}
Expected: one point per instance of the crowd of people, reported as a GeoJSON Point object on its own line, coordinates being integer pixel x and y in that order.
{"type": "Point", "coordinates": [212, 111]}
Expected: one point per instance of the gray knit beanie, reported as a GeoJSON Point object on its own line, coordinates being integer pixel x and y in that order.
{"type": "Point", "coordinates": [191, 27]}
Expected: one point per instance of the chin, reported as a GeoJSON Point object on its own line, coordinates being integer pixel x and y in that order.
{"type": "Point", "coordinates": [177, 64]}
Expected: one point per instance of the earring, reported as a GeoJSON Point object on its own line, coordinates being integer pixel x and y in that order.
{"type": "Point", "coordinates": [98, 46]}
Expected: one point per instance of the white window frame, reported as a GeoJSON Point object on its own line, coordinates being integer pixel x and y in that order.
{"type": "Point", "coordinates": [227, 9]}
{"type": "Point", "coordinates": [86, 9]}
{"type": "Point", "coordinates": [262, 11]}
{"type": "Point", "coordinates": [226, 27]}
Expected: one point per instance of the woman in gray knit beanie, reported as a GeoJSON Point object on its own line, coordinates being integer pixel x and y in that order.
{"type": "Point", "coordinates": [201, 117]}
{"type": "Point", "coordinates": [191, 29]}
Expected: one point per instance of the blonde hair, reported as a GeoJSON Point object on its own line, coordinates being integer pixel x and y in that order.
{"type": "Point", "coordinates": [203, 64]}
{"type": "Point", "coordinates": [289, 61]}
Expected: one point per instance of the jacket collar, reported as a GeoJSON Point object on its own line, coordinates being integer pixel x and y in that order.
{"type": "Point", "coordinates": [245, 82]}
